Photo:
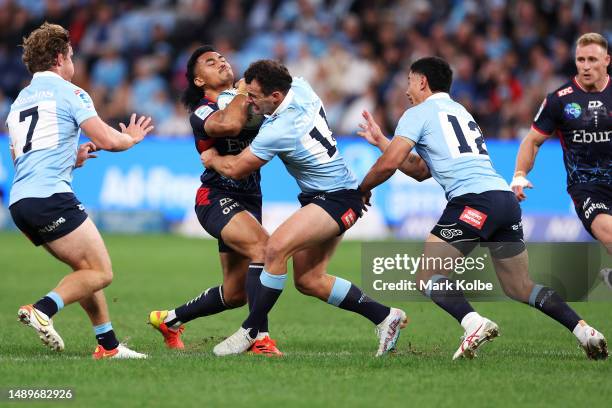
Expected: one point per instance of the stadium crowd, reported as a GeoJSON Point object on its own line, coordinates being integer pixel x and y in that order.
{"type": "Point", "coordinates": [131, 55]}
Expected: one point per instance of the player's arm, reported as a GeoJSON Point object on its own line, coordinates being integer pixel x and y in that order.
{"type": "Point", "coordinates": [392, 158]}
{"type": "Point", "coordinates": [106, 138]}
{"type": "Point", "coordinates": [236, 167]}
{"type": "Point", "coordinates": [525, 160]}
{"type": "Point", "coordinates": [229, 122]}
{"type": "Point", "coordinates": [413, 166]}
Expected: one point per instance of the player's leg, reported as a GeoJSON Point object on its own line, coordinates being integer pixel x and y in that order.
{"type": "Point", "coordinates": [593, 205]}
{"type": "Point", "coordinates": [242, 240]}
{"type": "Point", "coordinates": [513, 274]}
{"type": "Point", "coordinates": [434, 282]}
{"type": "Point", "coordinates": [306, 227]}
{"type": "Point", "coordinates": [602, 230]}
{"type": "Point", "coordinates": [84, 251]}
{"type": "Point", "coordinates": [311, 278]}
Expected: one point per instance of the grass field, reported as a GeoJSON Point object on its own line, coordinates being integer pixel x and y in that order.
{"type": "Point", "coordinates": [329, 352]}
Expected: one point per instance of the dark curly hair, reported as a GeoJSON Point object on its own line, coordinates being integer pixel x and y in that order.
{"type": "Point", "coordinates": [271, 76]}
{"type": "Point", "coordinates": [193, 94]}
{"type": "Point", "coordinates": [41, 47]}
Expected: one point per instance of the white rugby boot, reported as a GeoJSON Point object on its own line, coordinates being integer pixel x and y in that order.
{"type": "Point", "coordinates": [388, 331]}
{"type": "Point", "coordinates": [478, 330]}
{"type": "Point", "coordinates": [237, 343]}
{"type": "Point", "coordinates": [30, 316]}
{"type": "Point", "coordinates": [592, 342]}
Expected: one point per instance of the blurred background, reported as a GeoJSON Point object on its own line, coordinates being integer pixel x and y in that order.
{"type": "Point", "coordinates": [131, 56]}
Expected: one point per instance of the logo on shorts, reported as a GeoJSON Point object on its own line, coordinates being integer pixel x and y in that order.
{"type": "Point", "coordinates": [594, 206]}
{"type": "Point", "coordinates": [473, 217]}
{"type": "Point", "coordinates": [51, 227]}
{"type": "Point", "coordinates": [572, 111]}
{"type": "Point", "coordinates": [349, 218]}
{"type": "Point", "coordinates": [227, 205]}
{"type": "Point", "coordinates": [81, 207]}
{"type": "Point", "coordinates": [518, 226]}
{"type": "Point", "coordinates": [450, 233]}
{"type": "Point", "coordinates": [586, 202]}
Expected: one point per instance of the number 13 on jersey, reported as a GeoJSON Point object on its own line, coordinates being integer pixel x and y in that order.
{"type": "Point", "coordinates": [463, 136]}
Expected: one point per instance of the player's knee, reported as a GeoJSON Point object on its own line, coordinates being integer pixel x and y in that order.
{"type": "Point", "coordinates": [257, 251]}
{"type": "Point", "coordinates": [106, 277]}
{"type": "Point", "coordinates": [235, 298]}
{"type": "Point", "coordinates": [518, 291]}
{"type": "Point", "coordinates": [275, 251]}
{"type": "Point", "coordinates": [305, 285]}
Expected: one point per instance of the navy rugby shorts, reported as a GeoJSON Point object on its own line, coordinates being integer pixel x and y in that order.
{"type": "Point", "coordinates": [44, 220]}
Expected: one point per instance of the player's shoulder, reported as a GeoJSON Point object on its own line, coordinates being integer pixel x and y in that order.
{"type": "Point", "coordinates": [204, 109]}
{"type": "Point", "coordinates": [421, 111]}
{"type": "Point", "coordinates": [568, 88]}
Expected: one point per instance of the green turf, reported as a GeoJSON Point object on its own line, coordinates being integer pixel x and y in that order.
{"type": "Point", "coordinates": [329, 352]}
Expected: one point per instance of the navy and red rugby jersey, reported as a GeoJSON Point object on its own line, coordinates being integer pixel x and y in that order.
{"type": "Point", "coordinates": [224, 145]}
{"type": "Point", "coordinates": [583, 122]}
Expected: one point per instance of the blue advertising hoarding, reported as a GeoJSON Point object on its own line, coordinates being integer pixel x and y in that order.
{"type": "Point", "coordinates": [162, 175]}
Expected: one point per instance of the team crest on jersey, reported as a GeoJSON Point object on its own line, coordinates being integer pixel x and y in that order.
{"type": "Point", "coordinates": [572, 111]}
{"type": "Point", "coordinates": [203, 112]}
{"type": "Point", "coordinates": [565, 91]}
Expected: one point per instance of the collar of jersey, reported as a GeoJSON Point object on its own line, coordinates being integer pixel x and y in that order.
{"type": "Point", "coordinates": [46, 74]}
{"type": "Point", "coordinates": [575, 81]}
{"type": "Point", "coordinates": [438, 95]}
{"type": "Point", "coordinates": [284, 104]}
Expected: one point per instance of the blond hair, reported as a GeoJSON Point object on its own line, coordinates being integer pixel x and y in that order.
{"type": "Point", "coordinates": [41, 47]}
{"type": "Point", "coordinates": [592, 38]}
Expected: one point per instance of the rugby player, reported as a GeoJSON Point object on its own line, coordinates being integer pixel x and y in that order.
{"type": "Point", "coordinates": [580, 114]}
{"type": "Point", "coordinates": [481, 207]}
{"type": "Point", "coordinates": [44, 124]}
{"type": "Point", "coordinates": [229, 210]}
{"type": "Point", "coordinates": [296, 130]}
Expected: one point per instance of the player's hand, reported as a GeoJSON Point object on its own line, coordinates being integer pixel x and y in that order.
{"type": "Point", "coordinates": [370, 130]}
{"type": "Point", "coordinates": [241, 86]}
{"type": "Point", "coordinates": [207, 155]}
{"type": "Point", "coordinates": [518, 184]}
{"type": "Point", "coordinates": [137, 129]}
{"type": "Point", "coordinates": [84, 153]}
{"type": "Point", "coordinates": [365, 198]}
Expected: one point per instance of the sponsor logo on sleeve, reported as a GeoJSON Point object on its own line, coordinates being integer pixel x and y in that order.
{"type": "Point", "coordinates": [203, 112]}
{"type": "Point", "coordinates": [84, 98]}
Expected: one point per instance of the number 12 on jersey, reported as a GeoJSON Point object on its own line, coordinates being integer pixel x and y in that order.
{"type": "Point", "coordinates": [463, 136]}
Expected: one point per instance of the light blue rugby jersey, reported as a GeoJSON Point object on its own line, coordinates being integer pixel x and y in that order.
{"type": "Point", "coordinates": [44, 132]}
{"type": "Point", "coordinates": [449, 140]}
{"type": "Point", "coordinates": [298, 133]}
